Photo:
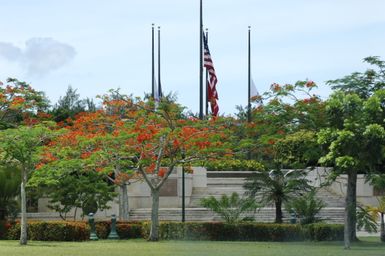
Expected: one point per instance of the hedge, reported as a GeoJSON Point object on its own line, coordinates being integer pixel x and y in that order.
{"type": "Point", "coordinates": [245, 231]}
{"type": "Point", "coordinates": [72, 231]}
{"type": "Point", "coordinates": [234, 165]}
{"type": "Point", "coordinates": [324, 232]}
{"type": "Point", "coordinates": [125, 230]}
{"type": "Point", "coordinates": [215, 231]}
{"type": "Point", "coordinates": [4, 226]}
{"type": "Point", "coordinates": [52, 231]}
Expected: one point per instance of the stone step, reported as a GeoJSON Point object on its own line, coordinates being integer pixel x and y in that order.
{"type": "Point", "coordinates": [225, 181]}
{"type": "Point", "coordinates": [267, 214]}
{"type": "Point", "coordinates": [217, 186]}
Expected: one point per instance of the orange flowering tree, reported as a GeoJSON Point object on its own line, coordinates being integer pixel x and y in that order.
{"type": "Point", "coordinates": [19, 102]}
{"type": "Point", "coordinates": [89, 150]}
{"type": "Point", "coordinates": [288, 109]}
{"type": "Point", "coordinates": [130, 139]}
{"type": "Point", "coordinates": [156, 140]}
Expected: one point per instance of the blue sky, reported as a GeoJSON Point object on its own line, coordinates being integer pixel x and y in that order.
{"type": "Point", "coordinates": [97, 45]}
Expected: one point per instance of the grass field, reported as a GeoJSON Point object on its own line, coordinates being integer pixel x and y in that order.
{"type": "Point", "coordinates": [367, 247]}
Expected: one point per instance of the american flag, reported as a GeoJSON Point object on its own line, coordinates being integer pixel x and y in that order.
{"type": "Point", "coordinates": [212, 91]}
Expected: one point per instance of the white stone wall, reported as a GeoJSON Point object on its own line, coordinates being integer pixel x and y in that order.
{"type": "Point", "coordinates": [139, 194]}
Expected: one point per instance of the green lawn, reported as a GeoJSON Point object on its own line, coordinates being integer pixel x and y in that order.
{"type": "Point", "coordinates": [367, 247]}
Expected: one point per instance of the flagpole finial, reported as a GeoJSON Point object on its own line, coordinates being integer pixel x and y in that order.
{"type": "Point", "coordinates": [158, 27]}
{"type": "Point", "coordinates": [249, 27]}
{"type": "Point", "coordinates": [153, 24]}
{"type": "Point", "coordinates": [207, 29]}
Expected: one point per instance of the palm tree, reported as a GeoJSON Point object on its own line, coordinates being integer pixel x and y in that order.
{"type": "Point", "coordinates": [379, 211]}
{"type": "Point", "coordinates": [230, 208]}
{"type": "Point", "coordinates": [276, 186]}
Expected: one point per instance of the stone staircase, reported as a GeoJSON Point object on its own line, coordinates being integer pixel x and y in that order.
{"type": "Point", "coordinates": [218, 186]}
{"type": "Point", "coordinates": [266, 214]}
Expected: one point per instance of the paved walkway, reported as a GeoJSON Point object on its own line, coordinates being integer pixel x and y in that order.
{"type": "Point", "coordinates": [364, 233]}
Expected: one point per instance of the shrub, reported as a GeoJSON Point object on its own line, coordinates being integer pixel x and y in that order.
{"type": "Point", "coordinates": [129, 230]}
{"type": "Point", "coordinates": [234, 165]}
{"type": "Point", "coordinates": [52, 231]}
{"type": "Point", "coordinates": [125, 230]}
{"type": "Point", "coordinates": [324, 232]}
{"type": "Point", "coordinates": [103, 229]}
{"type": "Point", "coordinates": [231, 207]}
{"type": "Point", "coordinates": [215, 231]}
{"type": "Point", "coordinates": [4, 226]}
{"type": "Point", "coordinates": [72, 230]}
{"type": "Point", "coordinates": [246, 231]}
{"type": "Point", "coordinates": [306, 207]}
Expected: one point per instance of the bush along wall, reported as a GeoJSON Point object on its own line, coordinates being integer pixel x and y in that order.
{"type": "Point", "coordinates": [52, 231]}
{"type": "Point", "coordinates": [234, 165]}
{"type": "Point", "coordinates": [246, 231]}
{"type": "Point", "coordinates": [324, 232]}
{"type": "Point", "coordinates": [4, 226]}
{"type": "Point", "coordinates": [125, 230]}
{"type": "Point", "coordinates": [72, 230]}
{"type": "Point", "coordinates": [214, 231]}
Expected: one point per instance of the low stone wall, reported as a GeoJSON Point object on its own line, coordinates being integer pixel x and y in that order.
{"type": "Point", "coordinates": [139, 194]}
{"type": "Point", "coordinates": [196, 186]}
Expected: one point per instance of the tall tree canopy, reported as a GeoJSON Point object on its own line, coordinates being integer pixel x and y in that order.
{"type": "Point", "coordinates": [20, 103]}
{"type": "Point", "coordinates": [354, 143]}
{"type": "Point", "coordinates": [134, 138]}
{"type": "Point", "coordinates": [20, 147]}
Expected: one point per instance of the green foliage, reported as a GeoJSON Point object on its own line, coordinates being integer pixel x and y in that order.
{"type": "Point", "coordinates": [75, 189]}
{"type": "Point", "coordinates": [125, 230]}
{"type": "Point", "coordinates": [129, 230]}
{"type": "Point", "coordinates": [276, 186]}
{"type": "Point", "coordinates": [306, 207]}
{"type": "Point", "coordinates": [79, 231]}
{"type": "Point", "coordinates": [355, 139]}
{"type": "Point", "coordinates": [4, 226]}
{"type": "Point", "coordinates": [230, 208]}
{"type": "Point", "coordinates": [234, 165]}
{"type": "Point", "coordinates": [72, 230]}
{"type": "Point", "coordinates": [19, 103]}
{"type": "Point", "coordinates": [70, 104]}
{"type": "Point", "coordinates": [324, 232]}
{"type": "Point", "coordinates": [297, 150]}
{"type": "Point", "coordinates": [9, 189]}
{"type": "Point", "coordinates": [20, 146]}
{"type": "Point", "coordinates": [246, 231]}
{"type": "Point", "coordinates": [363, 84]}
{"type": "Point", "coordinates": [52, 231]}
{"type": "Point", "coordinates": [287, 109]}
{"type": "Point", "coordinates": [366, 220]}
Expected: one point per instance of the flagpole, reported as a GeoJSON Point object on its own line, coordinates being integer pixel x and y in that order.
{"type": "Point", "coordinates": [207, 80]}
{"type": "Point", "coordinates": [160, 94]}
{"type": "Point", "coordinates": [249, 81]}
{"type": "Point", "coordinates": [153, 65]}
{"type": "Point", "coordinates": [200, 62]}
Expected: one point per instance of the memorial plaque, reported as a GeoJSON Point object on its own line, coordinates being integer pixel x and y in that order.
{"type": "Point", "coordinates": [169, 188]}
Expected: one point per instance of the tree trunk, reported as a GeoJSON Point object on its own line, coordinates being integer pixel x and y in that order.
{"type": "Point", "coordinates": [123, 203]}
{"type": "Point", "coordinates": [382, 228]}
{"type": "Point", "coordinates": [154, 232]}
{"type": "Point", "coordinates": [278, 211]}
{"type": "Point", "coordinates": [350, 210]}
{"type": "Point", "coordinates": [23, 224]}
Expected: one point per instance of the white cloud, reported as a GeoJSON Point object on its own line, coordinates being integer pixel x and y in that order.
{"type": "Point", "coordinates": [40, 55]}
{"type": "Point", "coordinates": [10, 52]}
